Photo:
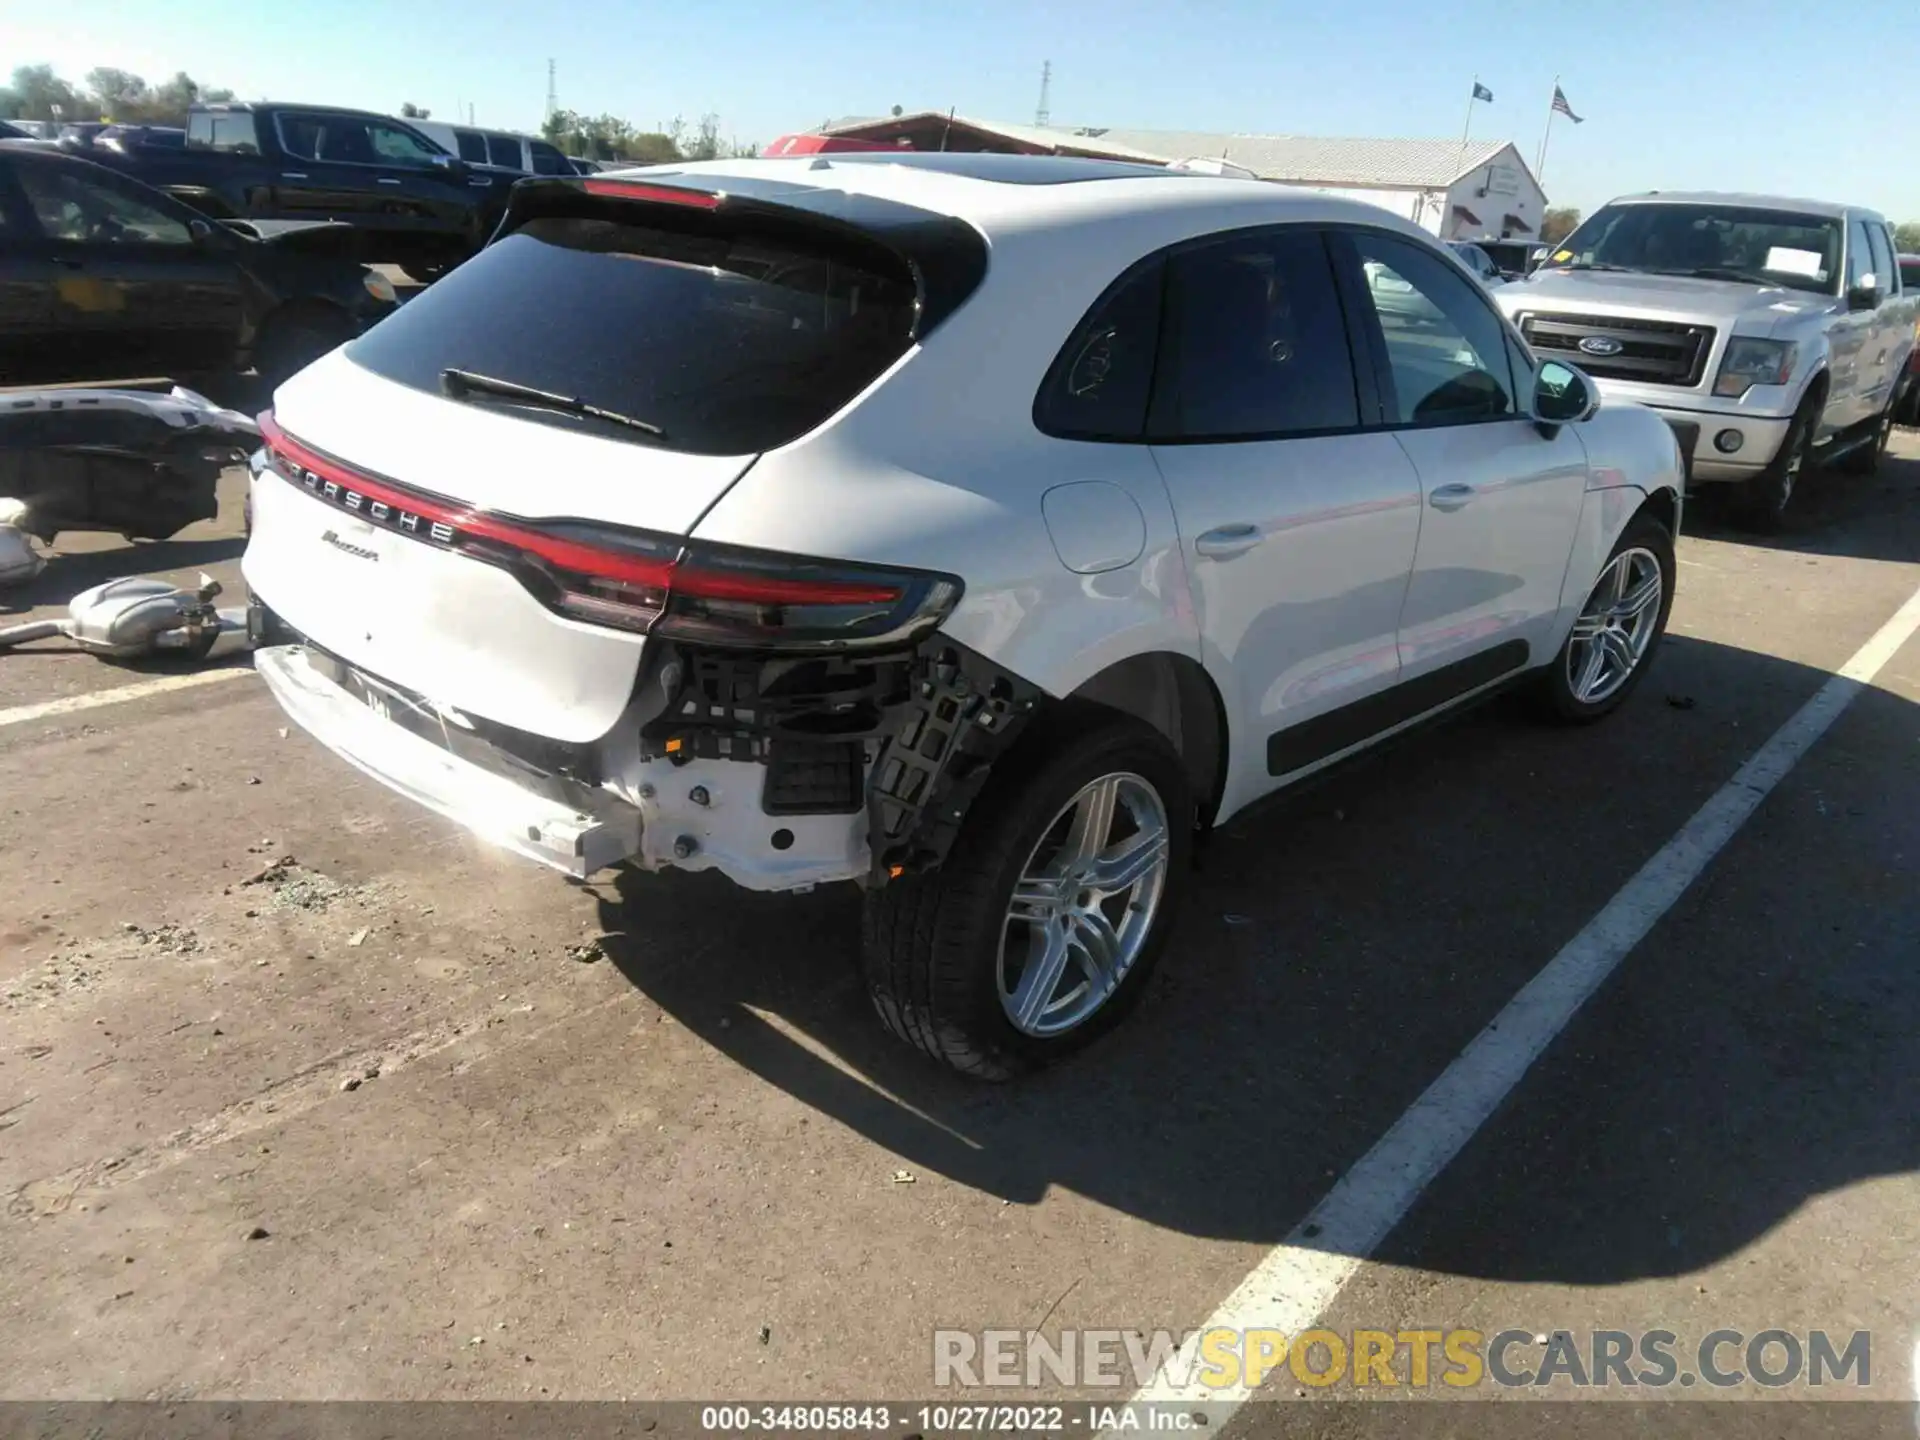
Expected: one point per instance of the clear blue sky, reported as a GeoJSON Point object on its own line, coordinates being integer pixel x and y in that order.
{"type": "Point", "coordinates": [1712, 94]}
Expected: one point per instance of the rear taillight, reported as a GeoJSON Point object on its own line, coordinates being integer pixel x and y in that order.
{"type": "Point", "coordinates": [635, 580]}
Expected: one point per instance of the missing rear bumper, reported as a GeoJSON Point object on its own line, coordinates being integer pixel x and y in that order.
{"type": "Point", "coordinates": [429, 759]}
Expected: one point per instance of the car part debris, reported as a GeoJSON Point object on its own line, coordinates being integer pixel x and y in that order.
{"type": "Point", "coordinates": [135, 617]}
{"type": "Point", "coordinates": [131, 462]}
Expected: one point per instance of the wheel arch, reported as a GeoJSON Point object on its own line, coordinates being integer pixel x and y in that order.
{"type": "Point", "coordinates": [1174, 694]}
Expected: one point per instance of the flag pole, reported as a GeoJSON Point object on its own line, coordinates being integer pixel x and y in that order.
{"type": "Point", "coordinates": [1540, 160]}
{"type": "Point", "coordinates": [1467, 129]}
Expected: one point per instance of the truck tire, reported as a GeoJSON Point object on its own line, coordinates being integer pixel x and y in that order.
{"type": "Point", "coordinates": [293, 337]}
{"type": "Point", "coordinates": [1762, 502]}
{"type": "Point", "coordinates": [1865, 459]}
{"type": "Point", "coordinates": [994, 983]}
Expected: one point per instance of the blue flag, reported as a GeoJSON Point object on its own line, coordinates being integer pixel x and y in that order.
{"type": "Point", "coordinates": [1480, 92]}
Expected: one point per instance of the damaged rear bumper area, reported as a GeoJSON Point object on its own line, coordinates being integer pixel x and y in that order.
{"type": "Point", "coordinates": [782, 772]}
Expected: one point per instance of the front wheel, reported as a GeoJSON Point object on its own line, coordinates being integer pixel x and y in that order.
{"type": "Point", "coordinates": [1762, 502]}
{"type": "Point", "coordinates": [1621, 624]}
{"type": "Point", "coordinates": [1039, 932]}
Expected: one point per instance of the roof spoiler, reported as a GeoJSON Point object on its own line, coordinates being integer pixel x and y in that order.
{"type": "Point", "coordinates": [946, 256]}
{"type": "Point", "coordinates": [1201, 165]}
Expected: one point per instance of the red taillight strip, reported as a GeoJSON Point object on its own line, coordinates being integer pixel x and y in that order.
{"type": "Point", "coordinates": [661, 194]}
{"type": "Point", "coordinates": [691, 579]}
{"type": "Point", "coordinates": [468, 523]}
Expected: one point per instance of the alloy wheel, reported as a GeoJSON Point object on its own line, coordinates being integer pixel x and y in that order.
{"type": "Point", "coordinates": [1614, 631]}
{"type": "Point", "coordinates": [1084, 905]}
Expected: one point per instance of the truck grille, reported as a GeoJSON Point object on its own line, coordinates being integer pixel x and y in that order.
{"type": "Point", "coordinates": [1654, 352]}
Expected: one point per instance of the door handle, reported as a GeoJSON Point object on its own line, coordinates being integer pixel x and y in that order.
{"type": "Point", "coordinates": [293, 174]}
{"type": "Point", "coordinates": [1226, 541]}
{"type": "Point", "coordinates": [481, 184]}
{"type": "Point", "coordinates": [69, 262]}
{"type": "Point", "coordinates": [1450, 497]}
{"type": "Point", "coordinates": [387, 180]}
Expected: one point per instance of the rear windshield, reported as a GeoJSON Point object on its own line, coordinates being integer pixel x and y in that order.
{"type": "Point", "coordinates": [730, 343]}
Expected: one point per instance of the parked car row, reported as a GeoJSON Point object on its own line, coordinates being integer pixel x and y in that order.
{"type": "Point", "coordinates": [102, 277]}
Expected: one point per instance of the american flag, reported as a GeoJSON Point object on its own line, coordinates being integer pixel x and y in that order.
{"type": "Point", "coordinates": [1561, 107]}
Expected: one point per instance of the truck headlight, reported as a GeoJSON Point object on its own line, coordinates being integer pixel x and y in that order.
{"type": "Point", "coordinates": [1750, 362]}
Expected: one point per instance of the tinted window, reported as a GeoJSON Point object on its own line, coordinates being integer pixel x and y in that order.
{"type": "Point", "coordinates": [549, 161]}
{"type": "Point", "coordinates": [1910, 274]}
{"type": "Point", "coordinates": [1734, 242]}
{"type": "Point", "coordinates": [397, 144]}
{"type": "Point", "coordinates": [731, 341]}
{"type": "Point", "coordinates": [504, 150]}
{"type": "Point", "coordinates": [1098, 387]}
{"type": "Point", "coordinates": [1883, 267]}
{"type": "Point", "coordinates": [1859, 255]}
{"type": "Point", "coordinates": [216, 131]}
{"type": "Point", "coordinates": [473, 146]}
{"type": "Point", "coordinates": [1446, 351]}
{"type": "Point", "coordinates": [1253, 342]}
{"type": "Point", "coordinates": [72, 206]}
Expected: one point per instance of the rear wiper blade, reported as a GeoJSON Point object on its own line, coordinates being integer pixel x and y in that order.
{"type": "Point", "coordinates": [461, 383]}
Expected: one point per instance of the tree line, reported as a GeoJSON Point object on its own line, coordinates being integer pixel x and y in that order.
{"type": "Point", "coordinates": [36, 93]}
{"type": "Point", "coordinates": [608, 137]}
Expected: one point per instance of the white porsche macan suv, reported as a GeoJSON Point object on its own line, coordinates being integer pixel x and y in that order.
{"type": "Point", "coordinates": [973, 528]}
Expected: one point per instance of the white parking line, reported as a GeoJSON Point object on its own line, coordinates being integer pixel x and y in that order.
{"type": "Point", "coordinates": [1295, 1283]}
{"type": "Point", "coordinates": [96, 699]}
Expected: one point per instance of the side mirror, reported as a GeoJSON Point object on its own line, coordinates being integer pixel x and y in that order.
{"type": "Point", "coordinates": [451, 165]}
{"type": "Point", "coordinates": [1863, 297]}
{"type": "Point", "coordinates": [1562, 395]}
{"type": "Point", "coordinates": [201, 230]}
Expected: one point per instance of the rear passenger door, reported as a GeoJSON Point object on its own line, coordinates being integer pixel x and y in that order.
{"type": "Point", "coordinates": [1297, 521]}
{"type": "Point", "coordinates": [31, 342]}
{"type": "Point", "coordinates": [1500, 499]}
{"type": "Point", "coordinates": [1892, 333]}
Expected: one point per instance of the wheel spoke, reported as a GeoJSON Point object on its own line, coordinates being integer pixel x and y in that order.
{"type": "Point", "coordinates": [1587, 627]}
{"type": "Point", "coordinates": [1617, 579]}
{"type": "Point", "coordinates": [1618, 651]}
{"type": "Point", "coordinates": [1130, 861]}
{"type": "Point", "coordinates": [1092, 821]}
{"type": "Point", "coordinates": [1041, 978]}
{"type": "Point", "coordinates": [1099, 945]}
{"type": "Point", "coordinates": [1590, 668]}
{"type": "Point", "coordinates": [1646, 593]}
{"type": "Point", "coordinates": [1034, 899]}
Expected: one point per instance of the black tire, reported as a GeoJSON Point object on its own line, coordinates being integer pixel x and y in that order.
{"type": "Point", "coordinates": [1865, 459]}
{"type": "Point", "coordinates": [1555, 688]}
{"type": "Point", "coordinates": [1762, 503]}
{"type": "Point", "coordinates": [931, 943]}
{"type": "Point", "coordinates": [290, 340]}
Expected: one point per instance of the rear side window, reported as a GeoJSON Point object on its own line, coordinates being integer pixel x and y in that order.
{"type": "Point", "coordinates": [473, 146]}
{"type": "Point", "coordinates": [1883, 267]}
{"type": "Point", "coordinates": [1253, 342]}
{"type": "Point", "coordinates": [1099, 386]}
{"type": "Point", "coordinates": [216, 131]}
{"type": "Point", "coordinates": [728, 338]}
{"type": "Point", "coordinates": [504, 150]}
{"type": "Point", "coordinates": [547, 160]}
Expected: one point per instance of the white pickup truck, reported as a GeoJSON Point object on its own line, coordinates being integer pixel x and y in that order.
{"type": "Point", "coordinates": [1772, 334]}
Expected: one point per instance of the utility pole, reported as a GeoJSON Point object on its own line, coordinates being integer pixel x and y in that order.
{"type": "Point", "coordinates": [1041, 114]}
{"type": "Point", "coordinates": [553, 92]}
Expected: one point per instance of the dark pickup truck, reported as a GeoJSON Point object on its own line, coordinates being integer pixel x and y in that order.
{"type": "Point", "coordinates": [411, 203]}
